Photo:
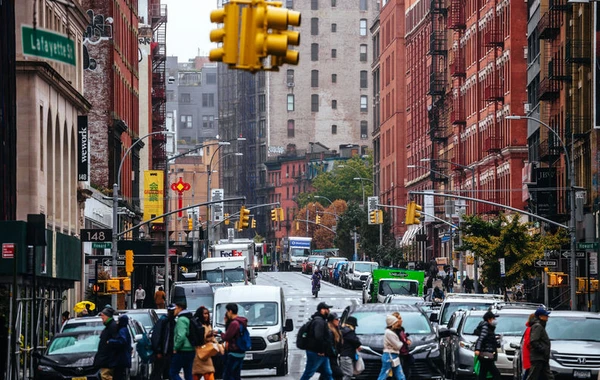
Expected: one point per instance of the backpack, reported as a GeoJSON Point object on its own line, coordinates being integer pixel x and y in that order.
{"type": "Point", "coordinates": [303, 336]}
{"type": "Point", "coordinates": [196, 333]}
{"type": "Point", "coordinates": [243, 341]}
{"type": "Point", "coordinates": [144, 349]}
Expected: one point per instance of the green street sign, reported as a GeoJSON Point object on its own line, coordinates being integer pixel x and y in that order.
{"type": "Point", "coordinates": [47, 44]}
{"type": "Point", "coordinates": [590, 246]}
{"type": "Point", "coordinates": [102, 245]}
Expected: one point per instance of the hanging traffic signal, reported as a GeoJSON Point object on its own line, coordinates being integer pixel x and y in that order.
{"type": "Point", "coordinates": [276, 19]}
{"type": "Point", "coordinates": [227, 35]}
{"type": "Point", "coordinates": [281, 214]}
{"type": "Point", "coordinates": [318, 219]}
{"type": "Point", "coordinates": [226, 219]}
{"type": "Point", "coordinates": [274, 216]}
{"type": "Point", "coordinates": [253, 223]}
{"type": "Point", "coordinates": [244, 218]}
{"type": "Point", "coordinates": [379, 216]}
{"type": "Point", "coordinates": [249, 59]}
{"type": "Point", "coordinates": [412, 213]}
{"type": "Point", "coordinates": [190, 224]}
{"type": "Point", "coordinates": [129, 261]}
{"type": "Point", "coordinates": [373, 217]}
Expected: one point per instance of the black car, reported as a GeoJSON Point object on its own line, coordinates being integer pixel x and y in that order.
{"type": "Point", "coordinates": [371, 327]}
{"type": "Point", "coordinates": [69, 356]}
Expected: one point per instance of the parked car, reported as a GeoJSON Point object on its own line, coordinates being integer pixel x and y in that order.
{"type": "Point", "coordinates": [308, 264]}
{"type": "Point", "coordinates": [69, 356]}
{"type": "Point", "coordinates": [371, 327]}
{"type": "Point", "coordinates": [147, 317]}
{"type": "Point", "coordinates": [343, 274]}
{"type": "Point", "coordinates": [358, 272]}
{"type": "Point", "coordinates": [337, 272]}
{"type": "Point", "coordinates": [465, 301]}
{"type": "Point", "coordinates": [328, 265]}
{"type": "Point", "coordinates": [575, 342]}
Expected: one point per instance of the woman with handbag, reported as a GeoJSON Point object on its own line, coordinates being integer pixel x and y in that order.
{"type": "Point", "coordinates": [390, 360]}
{"type": "Point", "coordinates": [203, 364]}
{"type": "Point", "coordinates": [333, 322]}
{"type": "Point", "coordinates": [486, 346]}
{"type": "Point", "coordinates": [406, 358]}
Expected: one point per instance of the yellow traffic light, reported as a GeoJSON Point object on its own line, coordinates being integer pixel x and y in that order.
{"type": "Point", "coordinates": [248, 57]}
{"type": "Point", "coordinates": [318, 219]}
{"type": "Point", "coordinates": [253, 223]}
{"type": "Point", "coordinates": [226, 219]}
{"type": "Point", "coordinates": [297, 226]}
{"type": "Point", "coordinates": [129, 261]}
{"type": "Point", "coordinates": [276, 43]}
{"type": "Point", "coordinates": [281, 214]}
{"type": "Point", "coordinates": [244, 218]}
{"type": "Point", "coordinates": [227, 35]}
{"type": "Point", "coordinates": [373, 217]}
{"type": "Point", "coordinates": [412, 213]}
{"type": "Point", "coordinates": [557, 279]}
{"type": "Point", "coordinates": [126, 284]}
{"type": "Point", "coordinates": [274, 216]}
{"type": "Point", "coordinates": [113, 285]}
{"type": "Point", "coordinates": [190, 224]}
{"type": "Point", "coordinates": [379, 216]}
{"type": "Point", "coordinates": [236, 226]}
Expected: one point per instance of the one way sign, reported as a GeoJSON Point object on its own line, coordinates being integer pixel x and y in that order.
{"type": "Point", "coordinates": [545, 263]}
{"type": "Point", "coordinates": [108, 263]}
{"type": "Point", "coordinates": [578, 254]}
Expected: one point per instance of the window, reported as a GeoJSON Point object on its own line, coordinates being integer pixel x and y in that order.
{"type": "Point", "coordinates": [211, 78]}
{"type": "Point", "coordinates": [290, 102]}
{"type": "Point", "coordinates": [363, 103]}
{"type": "Point", "coordinates": [363, 5]}
{"type": "Point", "coordinates": [333, 3]}
{"type": "Point", "coordinates": [314, 103]}
{"type": "Point", "coordinates": [262, 128]}
{"type": "Point", "coordinates": [314, 5]}
{"type": "Point", "coordinates": [364, 133]}
{"type": "Point", "coordinates": [208, 100]}
{"type": "Point", "coordinates": [363, 79]}
{"type": "Point", "coordinates": [185, 98]}
{"type": "Point", "coordinates": [363, 53]}
{"type": "Point", "coordinates": [334, 129]}
{"type": "Point", "coordinates": [291, 128]}
{"type": "Point", "coordinates": [333, 28]}
{"type": "Point", "coordinates": [289, 4]}
{"type": "Point", "coordinates": [314, 52]}
{"type": "Point", "coordinates": [333, 78]}
{"type": "Point", "coordinates": [208, 122]}
{"type": "Point", "coordinates": [314, 78]}
{"type": "Point", "coordinates": [314, 26]}
{"type": "Point", "coordinates": [186, 121]}
{"type": "Point", "coordinates": [262, 107]}
{"type": "Point", "coordinates": [170, 96]}
{"type": "Point", "coordinates": [290, 78]}
{"type": "Point", "coordinates": [334, 104]}
{"type": "Point", "coordinates": [333, 53]}
{"type": "Point", "coordinates": [363, 27]}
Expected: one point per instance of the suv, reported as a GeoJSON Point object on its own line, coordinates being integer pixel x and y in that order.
{"type": "Point", "coordinates": [329, 265]}
{"type": "Point", "coordinates": [465, 301]}
{"type": "Point", "coordinates": [358, 272]}
{"type": "Point", "coordinates": [575, 341]}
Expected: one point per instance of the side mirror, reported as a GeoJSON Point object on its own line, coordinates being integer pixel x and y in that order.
{"type": "Point", "coordinates": [516, 346]}
{"type": "Point", "coordinates": [433, 317]}
{"type": "Point", "coordinates": [289, 325]}
{"type": "Point", "coordinates": [444, 332]}
{"type": "Point", "coordinates": [453, 331]}
{"type": "Point", "coordinates": [350, 270]}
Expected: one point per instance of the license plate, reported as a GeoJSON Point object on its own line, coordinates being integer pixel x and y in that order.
{"type": "Point", "coordinates": [248, 357]}
{"type": "Point", "coordinates": [79, 378]}
{"type": "Point", "coordinates": [581, 374]}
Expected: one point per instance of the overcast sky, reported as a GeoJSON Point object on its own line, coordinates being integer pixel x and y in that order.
{"type": "Point", "coordinates": [188, 28]}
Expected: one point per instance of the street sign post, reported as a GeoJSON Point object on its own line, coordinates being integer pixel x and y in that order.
{"type": "Point", "coordinates": [102, 245]}
{"type": "Point", "coordinates": [588, 246]}
{"type": "Point", "coordinates": [546, 263]}
{"type": "Point", "coordinates": [579, 254]}
{"type": "Point", "coordinates": [502, 267]}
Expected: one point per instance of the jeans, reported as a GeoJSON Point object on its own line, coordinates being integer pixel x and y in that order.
{"type": "Point", "coordinates": [182, 359]}
{"type": "Point", "coordinates": [386, 365]}
{"type": "Point", "coordinates": [315, 361]}
{"type": "Point", "coordinates": [233, 367]}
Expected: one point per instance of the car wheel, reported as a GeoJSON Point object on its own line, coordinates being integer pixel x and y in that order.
{"type": "Point", "coordinates": [282, 369]}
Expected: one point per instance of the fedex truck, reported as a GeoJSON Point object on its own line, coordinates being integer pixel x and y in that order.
{"type": "Point", "coordinates": [297, 250]}
{"type": "Point", "coordinates": [238, 249]}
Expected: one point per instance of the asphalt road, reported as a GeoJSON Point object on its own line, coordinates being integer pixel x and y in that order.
{"type": "Point", "coordinates": [300, 305]}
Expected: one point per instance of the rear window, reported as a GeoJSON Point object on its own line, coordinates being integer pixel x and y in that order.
{"type": "Point", "coordinates": [450, 307]}
{"type": "Point", "coordinates": [83, 326]}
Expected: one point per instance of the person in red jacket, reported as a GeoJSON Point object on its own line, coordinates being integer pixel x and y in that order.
{"type": "Point", "coordinates": [525, 362]}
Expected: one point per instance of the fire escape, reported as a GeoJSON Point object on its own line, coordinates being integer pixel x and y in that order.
{"type": "Point", "coordinates": [458, 73]}
{"type": "Point", "coordinates": [158, 16]}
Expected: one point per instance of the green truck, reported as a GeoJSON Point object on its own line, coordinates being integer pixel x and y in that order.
{"type": "Point", "coordinates": [385, 281]}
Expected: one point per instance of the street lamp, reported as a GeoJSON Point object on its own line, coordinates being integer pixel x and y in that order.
{"type": "Point", "coordinates": [572, 230]}
{"type": "Point", "coordinates": [362, 186]}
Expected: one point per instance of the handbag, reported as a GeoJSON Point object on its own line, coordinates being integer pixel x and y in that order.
{"type": "Point", "coordinates": [486, 355]}
{"type": "Point", "coordinates": [359, 365]}
{"type": "Point", "coordinates": [395, 362]}
{"type": "Point", "coordinates": [208, 350]}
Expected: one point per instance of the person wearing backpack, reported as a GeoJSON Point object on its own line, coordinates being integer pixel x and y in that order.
{"type": "Point", "coordinates": [183, 350]}
{"type": "Point", "coordinates": [319, 342]}
{"type": "Point", "coordinates": [234, 328]}
{"type": "Point", "coordinates": [121, 344]}
{"type": "Point", "coordinates": [162, 343]}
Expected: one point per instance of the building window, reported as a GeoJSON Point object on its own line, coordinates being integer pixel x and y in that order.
{"type": "Point", "coordinates": [363, 79]}
{"type": "Point", "coordinates": [262, 106]}
{"type": "Point", "coordinates": [314, 52]}
{"type": "Point", "coordinates": [290, 102]}
{"type": "Point", "coordinates": [211, 78]}
{"type": "Point", "coordinates": [186, 121]}
{"type": "Point", "coordinates": [363, 27]}
{"type": "Point", "coordinates": [333, 28]}
{"type": "Point", "coordinates": [364, 130]}
{"type": "Point", "coordinates": [314, 5]}
{"type": "Point", "coordinates": [334, 129]}
{"type": "Point", "coordinates": [363, 53]}
{"type": "Point", "coordinates": [333, 78]}
{"type": "Point", "coordinates": [208, 122]}
{"type": "Point", "coordinates": [334, 104]}
{"type": "Point", "coordinates": [289, 4]}
{"type": "Point", "coordinates": [363, 5]}
{"type": "Point", "coordinates": [333, 53]}
{"type": "Point", "coordinates": [334, 3]}
{"type": "Point", "coordinates": [314, 78]}
{"type": "Point", "coordinates": [363, 103]}
{"type": "Point", "coordinates": [314, 103]}
{"type": "Point", "coordinates": [291, 128]}
{"type": "Point", "coordinates": [208, 100]}
{"type": "Point", "coordinates": [170, 96]}
{"type": "Point", "coordinates": [314, 26]}
{"type": "Point", "coordinates": [185, 98]}
{"type": "Point", "coordinates": [262, 128]}
{"type": "Point", "coordinates": [290, 78]}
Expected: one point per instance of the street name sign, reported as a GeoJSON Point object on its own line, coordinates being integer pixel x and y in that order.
{"type": "Point", "coordinates": [47, 44]}
{"type": "Point", "coordinates": [578, 254]}
{"type": "Point", "coordinates": [546, 263]}
{"type": "Point", "coordinates": [589, 246]}
{"type": "Point", "coordinates": [102, 245]}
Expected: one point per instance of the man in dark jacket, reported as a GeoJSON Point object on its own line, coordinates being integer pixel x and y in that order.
{"type": "Point", "coordinates": [105, 358]}
{"type": "Point", "coordinates": [122, 348]}
{"type": "Point", "coordinates": [486, 347]}
{"type": "Point", "coordinates": [162, 343]}
{"type": "Point", "coordinates": [235, 356]}
{"type": "Point", "coordinates": [539, 347]}
{"type": "Point", "coordinates": [319, 341]}
{"type": "Point", "coordinates": [349, 347]}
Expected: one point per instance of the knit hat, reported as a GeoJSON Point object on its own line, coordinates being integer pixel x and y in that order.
{"type": "Point", "coordinates": [108, 311]}
{"type": "Point", "coordinates": [390, 320]}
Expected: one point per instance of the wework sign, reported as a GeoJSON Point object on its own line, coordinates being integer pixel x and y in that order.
{"type": "Point", "coordinates": [83, 152]}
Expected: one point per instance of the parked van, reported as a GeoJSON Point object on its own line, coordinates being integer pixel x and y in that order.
{"type": "Point", "coordinates": [264, 307]}
{"type": "Point", "coordinates": [358, 272]}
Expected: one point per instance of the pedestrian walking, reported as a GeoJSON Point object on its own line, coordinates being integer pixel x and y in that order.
{"type": "Point", "coordinates": [105, 358]}
{"type": "Point", "coordinates": [333, 323]}
{"type": "Point", "coordinates": [539, 347]}
{"type": "Point", "coordinates": [121, 344]}
{"type": "Point", "coordinates": [162, 344]}
{"type": "Point", "coordinates": [350, 346]}
{"type": "Point", "coordinates": [160, 298]}
{"type": "Point", "coordinates": [319, 341]}
{"type": "Point", "coordinates": [183, 351]}
{"type": "Point", "coordinates": [406, 359]}
{"type": "Point", "coordinates": [438, 294]}
{"type": "Point", "coordinates": [140, 295]}
{"type": "Point", "coordinates": [390, 360]}
{"type": "Point", "coordinates": [235, 356]}
{"type": "Point", "coordinates": [204, 368]}
{"type": "Point", "coordinates": [525, 347]}
{"type": "Point", "coordinates": [468, 284]}
{"type": "Point", "coordinates": [486, 347]}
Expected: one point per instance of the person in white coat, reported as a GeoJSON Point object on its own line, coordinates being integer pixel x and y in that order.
{"type": "Point", "coordinates": [390, 360]}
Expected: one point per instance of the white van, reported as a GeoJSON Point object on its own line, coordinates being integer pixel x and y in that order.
{"type": "Point", "coordinates": [264, 307]}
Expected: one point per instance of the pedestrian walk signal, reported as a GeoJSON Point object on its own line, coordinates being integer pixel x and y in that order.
{"type": "Point", "coordinates": [557, 279]}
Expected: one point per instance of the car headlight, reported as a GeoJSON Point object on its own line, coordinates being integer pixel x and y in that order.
{"type": "Point", "coordinates": [45, 368]}
{"type": "Point", "coordinates": [428, 347]}
{"type": "Point", "coordinates": [467, 345]}
{"type": "Point", "coordinates": [274, 338]}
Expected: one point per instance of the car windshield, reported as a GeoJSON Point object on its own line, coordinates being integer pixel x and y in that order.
{"type": "Point", "coordinates": [373, 322]}
{"type": "Point", "coordinates": [194, 301]}
{"type": "Point", "coordinates": [84, 326]}
{"type": "Point", "coordinates": [213, 276]}
{"type": "Point", "coordinates": [576, 328]}
{"type": "Point", "coordinates": [144, 319]}
{"type": "Point", "coordinates": [451, 307]}
{"type": "Point", "coordinates": [74, 344]}
{"type": "Point", "coordinates": [257, 313]}
{"type": "Point", "coordinates": [300, 252]}
{"type": "Point", "coordinates": [406, 288]}
{"type": "Point", "coordinates": [508, 325]}
{"type": "Point", "coordinates": [406, 300]}
{"type": "Point", "coordinates": [234, 275]}
{"type": "Point", "coordinates": [364, 267]}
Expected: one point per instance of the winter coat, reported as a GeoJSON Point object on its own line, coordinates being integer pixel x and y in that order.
{"type": "Point", "coordinates": [539, 342]}
{"type": "Point", "coordinates": [351, 342]}
{"type": "Point", "coordinates": [487, 338]}
{"type": "Point", "coordinates": [162, 335]}
{"type": "Point", "coordinates": [391, 342]}
{"type": "Point", "coordinates": [404, 339]}
{"type": "Point", "coordinates": [525, 348]}
{"type": "Point", "coordinates": [232, 332]}
{"type": "Point", "coordinates": [106, 356]}
{"type": "Point", "coordinates": [202, 367]}
{"type": "Point", "coordinates": [121, 344]}
{"type": "Point", "coordinates": [320, 338]}
{"type": "Point", "coordinates": [181, 341]}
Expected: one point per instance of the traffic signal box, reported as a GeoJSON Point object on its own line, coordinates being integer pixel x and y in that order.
{"type": "Point", "coordinates": [273, 17]}
{"type": "Point", "coordinates": [318, 219]}
{"type": "Point", "coordinates": [582, 285]}
{"type": "Point", "coordinates": [557, 279]}
{"type": "Point", "coordinates": [376, 217]}
{"type": "Point", "coordinates": [412, 213]}
{"type": "Point", "coordinates": [274, 215]}
{"type": "Point", "coordinates": [226, 219]}
{"type": "Point", "coordinates": [244, 218]}
{"type": "Point", "coordinates": [281, 214]}
{"type": "Point", "coordinates": [129, 262]}
{"type": "Point", "coordinates": [190, 224]}
{"type": "Point", "coordinates": [253, 223]}
{"type": "Point", "coordinates": [228, 35]}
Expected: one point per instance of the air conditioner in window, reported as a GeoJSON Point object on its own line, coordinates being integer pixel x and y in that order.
{"type": "Point", "coordinates": [527, 107]}
{"type": "Point", "coordinates": [290, 84]}
{"type": "Point", "coordinates": [363, 137]}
